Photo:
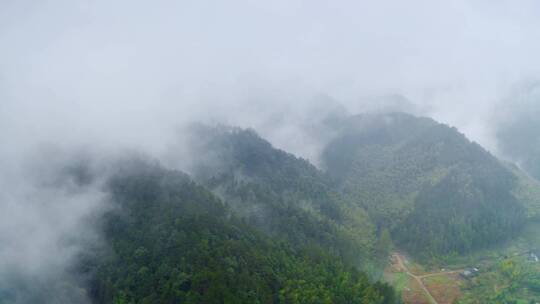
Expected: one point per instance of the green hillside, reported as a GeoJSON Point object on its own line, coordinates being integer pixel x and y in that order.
{"type": "Point", "coordinates": [171, 241]}
{"type": "Point", "coordinates": [284, 195]}
{"type": "Point", "coordinates": [435, 190]}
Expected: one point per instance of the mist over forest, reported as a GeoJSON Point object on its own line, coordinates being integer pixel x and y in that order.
{"type": "Point", "coordinates": [269, 152]}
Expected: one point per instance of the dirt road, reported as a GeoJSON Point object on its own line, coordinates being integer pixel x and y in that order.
{"type": "Point", "coordinates": [418, 278]}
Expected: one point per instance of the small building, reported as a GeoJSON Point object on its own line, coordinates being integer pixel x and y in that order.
{"type": "Point", "coordinates": [469, 273]}
{"type": "Point", "coordinates": [533, 257]}
{"type": "Point", "coordinates": [466, 274]}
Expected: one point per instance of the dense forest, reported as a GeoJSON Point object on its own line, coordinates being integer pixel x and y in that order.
{"type": "Point", "coordinates": [173, 241]}
{"type": "Point", "coordinates": [250, 223]}
{"type": "Point", "coordinates": [286, 196]}
{"type": "Point", "coordinates": [438, 193]}
{"type": "Point", "coordinates": [255, 224]}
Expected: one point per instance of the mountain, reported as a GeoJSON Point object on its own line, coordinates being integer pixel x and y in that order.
{"type": "Point", "coordinates": [250, 223]}
{"type": "Point", "coordinates": [283, 195]}
{"type": "Point", "coordinates": [438, 192]}
{"type": "Point", "coordinates": [170, 240]}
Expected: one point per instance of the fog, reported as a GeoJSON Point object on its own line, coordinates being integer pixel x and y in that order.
{"type": "Point", "coordinates": [113, 75]}
{"type": "Point", "coordinates": [125, 72]}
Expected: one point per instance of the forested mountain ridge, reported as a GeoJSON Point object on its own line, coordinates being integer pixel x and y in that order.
{"type": "Point", "coordinates": [172, 241]}
{"type": "Point", "coordinates": [284, 195]}
{"type": "Point", "coordinates": [438, 192]}
{"type": "Point", "coordinates": [255, 224]}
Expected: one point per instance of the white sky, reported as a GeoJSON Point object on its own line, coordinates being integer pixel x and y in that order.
{"type": "Point", "coordinates": [123, 72]}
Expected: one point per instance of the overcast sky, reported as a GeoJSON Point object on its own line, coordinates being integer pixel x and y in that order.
{"type": "Point", "coordinates": [125, 71]}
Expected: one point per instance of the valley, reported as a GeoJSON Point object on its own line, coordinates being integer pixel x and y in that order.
{"type": "Point", "coordinates": [506, 274]}
{"type": "Point", "coordinates": [427, 281]}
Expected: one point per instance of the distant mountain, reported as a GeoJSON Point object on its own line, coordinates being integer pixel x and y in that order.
{"type": "Point", "coordinates": [435, 190]}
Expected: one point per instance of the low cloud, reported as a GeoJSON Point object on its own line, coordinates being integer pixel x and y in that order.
{"type": "Point", "coordinates": [119, 75]}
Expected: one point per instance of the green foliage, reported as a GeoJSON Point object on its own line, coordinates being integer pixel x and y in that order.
{"type": "Point", "coordinates": [460, 216]}
{"type": "Point", "coordinates": [527, 190]}
{"type": "Point", "coordinates": [436, 191]}
{"type": "Point", "coordinates": [285, 196]}
{"type": "Point", "coordinates": [384, 245]}
{"type": "Point", "coordinates": [172, 241]}
{"type": "Point", "coordinates": [509, 281]}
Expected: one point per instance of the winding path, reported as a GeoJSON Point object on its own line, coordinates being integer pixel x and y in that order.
{"type": "Point", "coordinates": [419, 278]}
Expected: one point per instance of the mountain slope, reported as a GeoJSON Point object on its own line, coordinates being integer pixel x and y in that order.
{"type": "Point", "coordinates": [438, 192]}
{"type": "Point", "coordinates": [172, 241]}
{"type": "Point", "coordinates": [284, 195]}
